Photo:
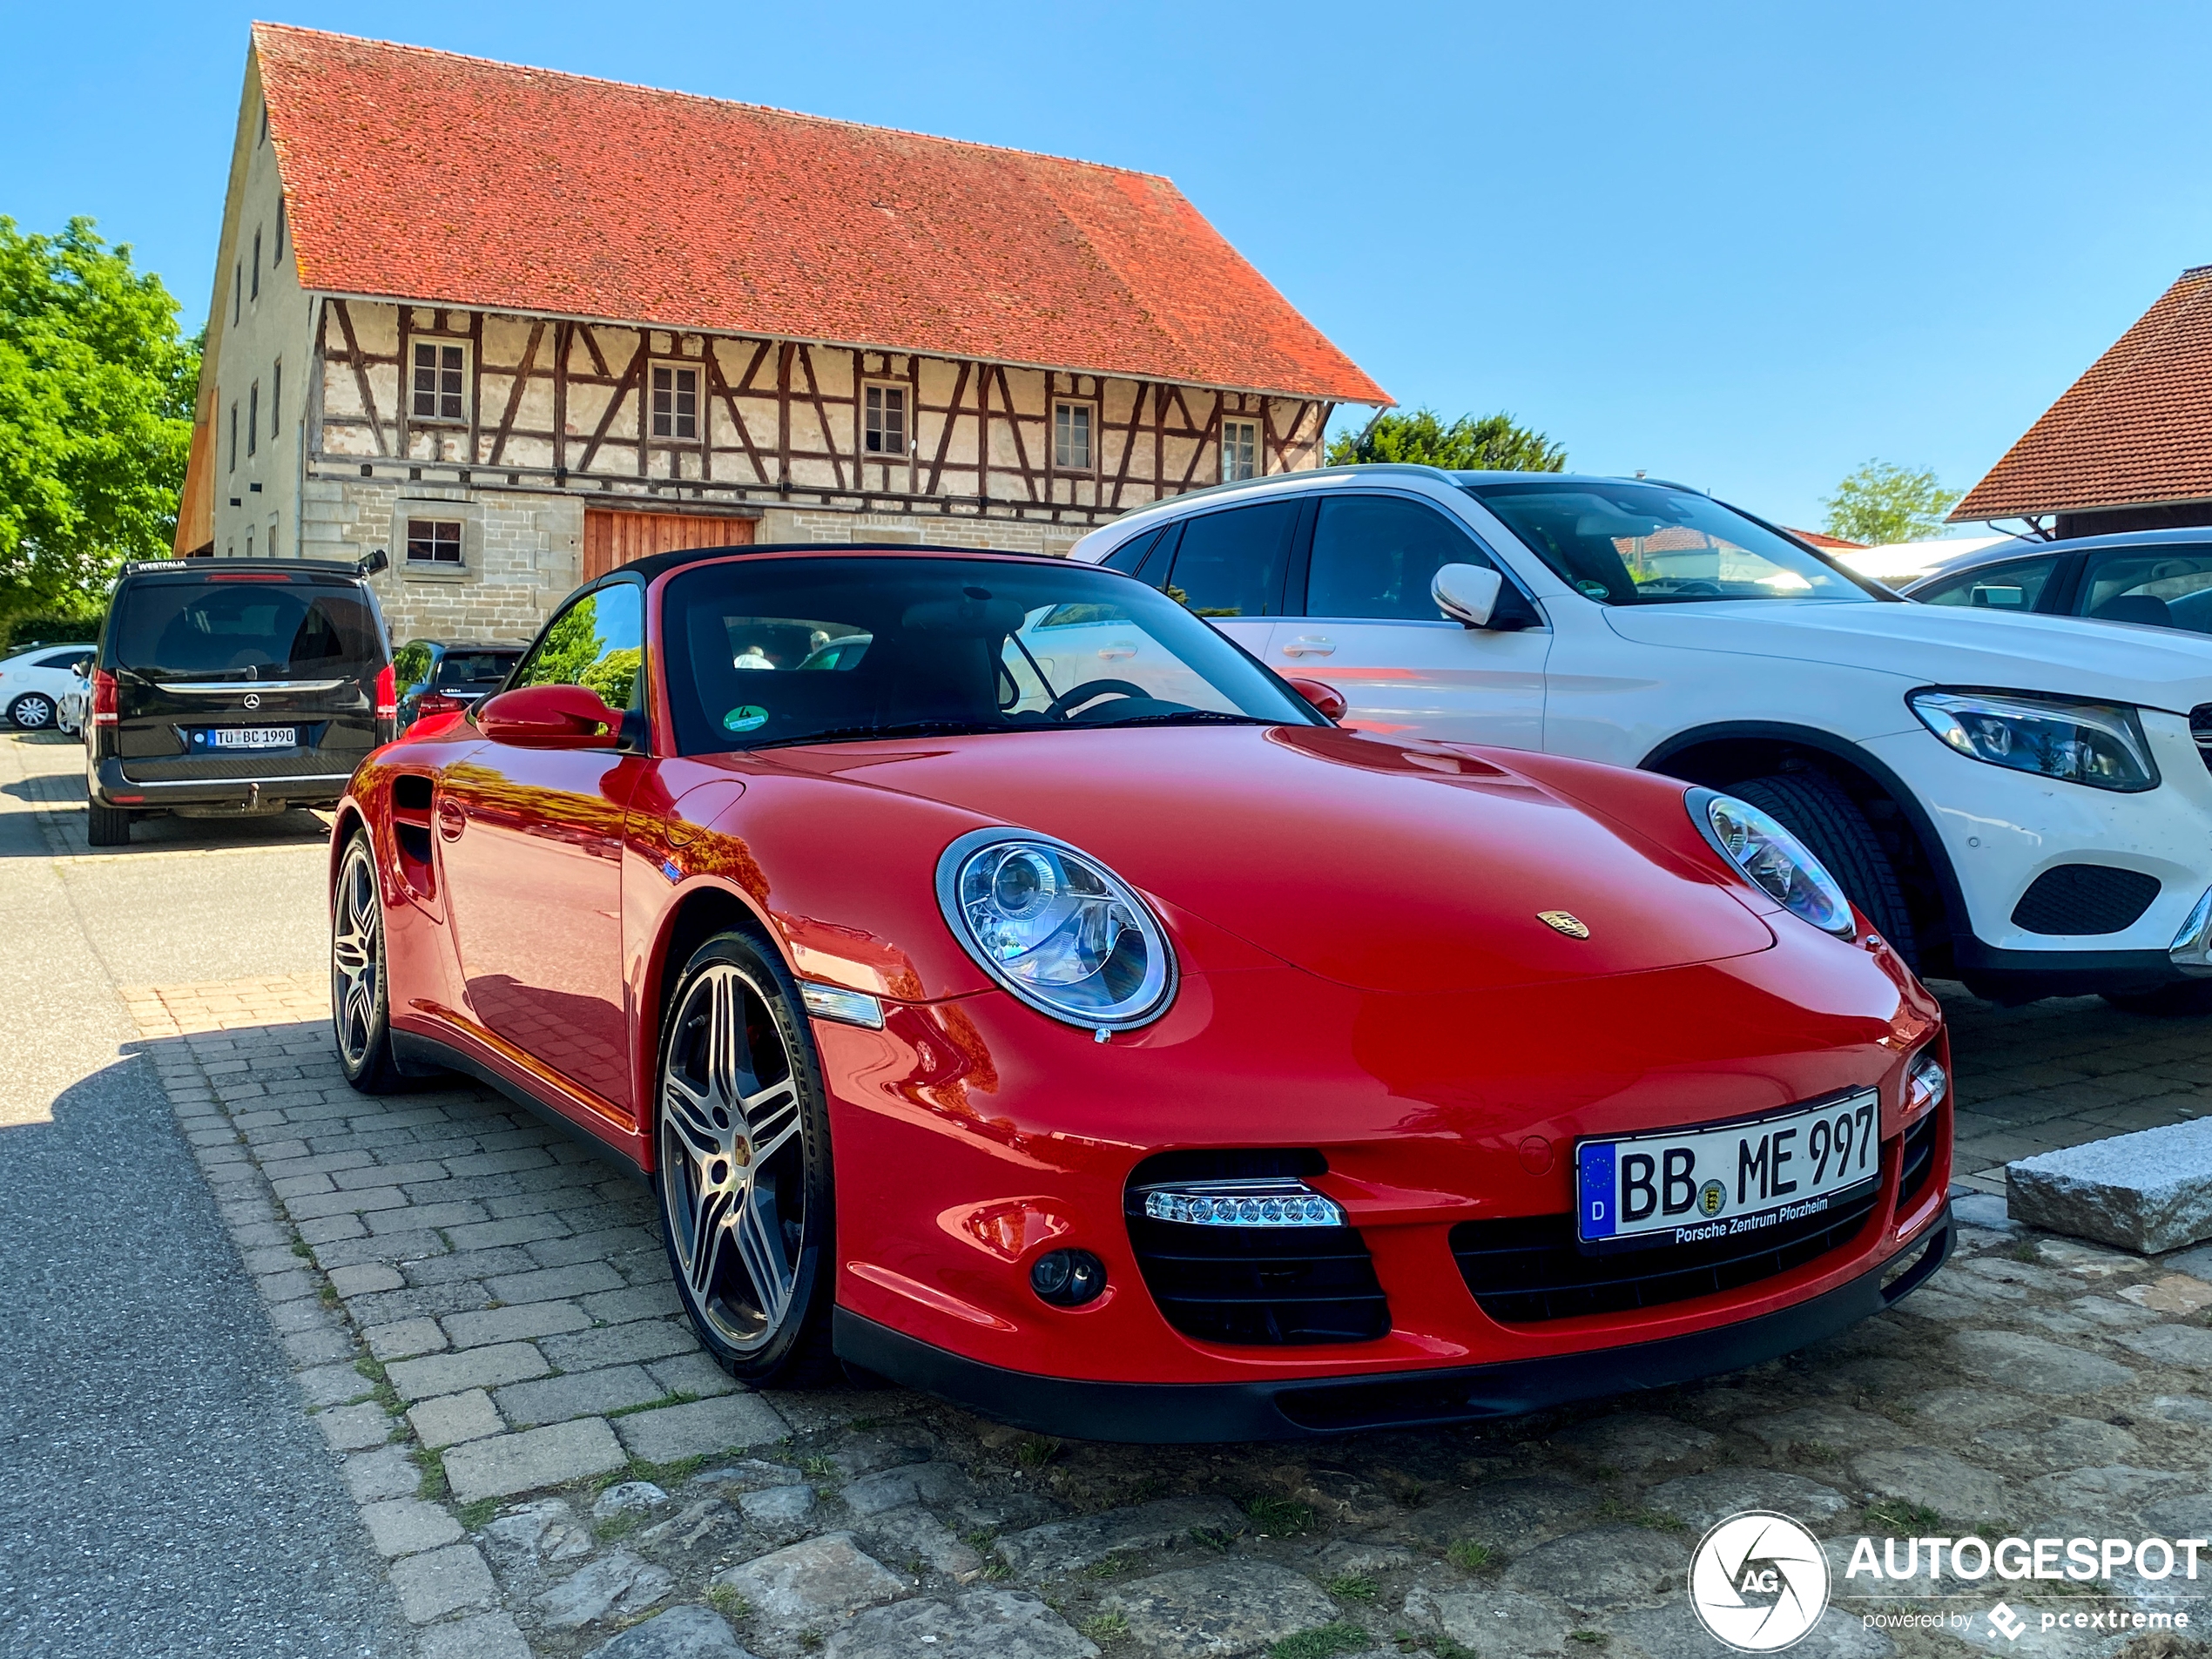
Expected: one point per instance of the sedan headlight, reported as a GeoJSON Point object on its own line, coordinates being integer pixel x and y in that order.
{"type": "Point", "coordinates": [1776, 861]}
{"type": "Point", "coordinates": [2098, 744]}
{"type": "Point", "coordinates": [1058, 929]}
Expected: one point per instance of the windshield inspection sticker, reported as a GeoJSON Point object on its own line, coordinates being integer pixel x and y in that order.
{"type": "Point", "coordinates": [748, 717]}
{"type": "Point", "coordinates": [1595, 589]}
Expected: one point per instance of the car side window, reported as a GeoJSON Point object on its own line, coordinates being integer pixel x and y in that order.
{"type": "Point", "coordinates": [2166, 587]}
{"type": "Point", "coordinates": [68, 658]}
{"type": "Point", "coordinates": [598, 642]}
{"type": "Point", "coordinates": [1129, 557]}
{"type": "Point", "coordinates": [1375, 555]}
{"type": "Point", "coordinates": [1230, 564]}
{"type": "Point", "coordinates": [1994, 587]}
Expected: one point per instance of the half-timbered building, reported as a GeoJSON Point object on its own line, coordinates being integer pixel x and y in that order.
{"type": "Point", "coordinates": [516, 327]}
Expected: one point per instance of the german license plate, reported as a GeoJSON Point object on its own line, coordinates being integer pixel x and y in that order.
{"type": "Point", "coordinates": [1689, 1185]}
{"type": "Point", "coordinates": [252, 737]}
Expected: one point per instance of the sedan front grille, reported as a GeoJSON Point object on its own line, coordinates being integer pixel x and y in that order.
{"type": "Point", "coordinates": [2085, 899]}
{"type": "Point", "coordinates": [1524, 1270]}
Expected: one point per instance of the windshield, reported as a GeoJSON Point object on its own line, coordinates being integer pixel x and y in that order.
{"type": "Point", "coordinates": [831, 649]}
{"type": "Point", "coordinates": [1633, 543]}
{"type": "Point", "coordinates": [229, 629]}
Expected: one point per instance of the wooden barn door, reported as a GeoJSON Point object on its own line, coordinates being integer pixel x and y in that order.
{"type": "Point", "coordinates": [611, 538]}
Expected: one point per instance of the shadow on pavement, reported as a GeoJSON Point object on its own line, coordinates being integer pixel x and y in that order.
{"type": "Point", "coordinates": [163, 1492]}
{"type": "Point", "coordinates": [62, 794]}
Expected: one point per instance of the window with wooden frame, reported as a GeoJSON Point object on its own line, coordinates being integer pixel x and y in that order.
{"type": "Point", "coordinates": [1240, 450]}
{"type": "Point", "coordinates": [441, 391]}
{"type": "Point", "coordinates": [676, 400]}
{"type": "Point", "coordinates": [434, 541]}
{"type": "Point", "coordinates": [1071, 448]}
{"type": "Point", "coordinates": [883, 424]}
{"type": "Point", "coordinates": [253, 418]}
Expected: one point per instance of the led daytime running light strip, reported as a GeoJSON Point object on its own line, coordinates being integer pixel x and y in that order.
{"type": "Point", "coordinates": [1242, 1204]}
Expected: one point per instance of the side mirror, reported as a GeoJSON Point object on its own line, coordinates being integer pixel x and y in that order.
{"type": "Point", "coordinates": [82, 668]}
{"type": "Point", "coordinates": [1467, 593]}
{"type": "Point", "coordinates": [1327, 701]}
{"type": "Point", "coordinates": [549, 716]}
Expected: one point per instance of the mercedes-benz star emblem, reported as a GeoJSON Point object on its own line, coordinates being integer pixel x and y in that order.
{"type": "Point", "coordinates": [1758, 1581]}
{"type": "Point", "coordinates": [252, 699]}
{"type": "Point", "coordinates": [1563, 921]}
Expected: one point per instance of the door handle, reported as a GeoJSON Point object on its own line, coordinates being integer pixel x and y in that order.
{"type": "Point", "coordinates": [1310, 645]}
{"type": "Point", "coordinates": [1112, 652]}
{"type": "Point", "coordinates": [451, 819]}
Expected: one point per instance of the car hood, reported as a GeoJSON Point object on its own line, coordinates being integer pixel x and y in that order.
{"type": "Point", "coordinates": [1377, 864]}
{"type": "Point", "coordinates": [2157, 668]}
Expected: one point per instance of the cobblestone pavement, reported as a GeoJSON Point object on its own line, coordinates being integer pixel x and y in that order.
{"type": "Point", "coordinates": [479, 1312]}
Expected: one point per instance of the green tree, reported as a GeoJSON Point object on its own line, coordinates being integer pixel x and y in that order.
{"type": "Point", "coordinates": [96, 400]}
{"type": "Point", "coordinates": [1880, 503]}
{"type": "Point", "coordinates": [1491, 443]}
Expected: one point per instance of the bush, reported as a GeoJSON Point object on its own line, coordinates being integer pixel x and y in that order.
{"type": "Point", "coordinates": [56, 628]}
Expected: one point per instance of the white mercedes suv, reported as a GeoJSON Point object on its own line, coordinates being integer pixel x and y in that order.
{"type": "Point", "coordinates": [2018, 801]}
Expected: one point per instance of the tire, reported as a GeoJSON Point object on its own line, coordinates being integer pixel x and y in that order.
{"type": "Point", "coordinates": [107, 825]}
{"type": "Point", "coordinates": [2168, 1001]}
{"type": "Point", "coordinates": [738, 1071]}
{"type": "Point", "coordinates": [1815, 808]}
{"type": "Point", "coordinates": [361, 1005]}
{"type": "Point", "coordinates": [32, 711]}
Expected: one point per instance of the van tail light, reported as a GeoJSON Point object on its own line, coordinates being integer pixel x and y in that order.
{"type": "Point", "coordinates": [387, 694]}
{"type": "Point", "coordinates": [432, 703]}
{"type": "Point", "coordinates": [103, 697]}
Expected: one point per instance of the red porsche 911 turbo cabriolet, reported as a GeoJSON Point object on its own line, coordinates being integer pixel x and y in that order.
{"type": "Point", "coordinates": [1011, 989]}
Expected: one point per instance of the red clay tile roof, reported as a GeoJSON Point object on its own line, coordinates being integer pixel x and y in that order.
{"type": "Point", "coordinates": [1821, 538]}
{"type": "Point", "coordinates": [452, 180]}
{"type": "Point", "coordinates": [2136, 428]}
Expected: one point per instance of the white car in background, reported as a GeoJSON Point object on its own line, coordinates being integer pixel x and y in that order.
{"type": "Point", "coordinates": [76, 706]}
{"type": "Point", "coordinates": [2021, 802]}
{"type": "Point", "coordinates": [32, 684]}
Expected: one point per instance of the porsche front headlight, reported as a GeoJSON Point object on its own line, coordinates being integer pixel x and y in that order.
{"type": "Point", "coordinates": [1057, 928]}
{"type": "Point", "coordinates": [2098, 744]}
{"type": "Point", "coordinates": [1776, 861]}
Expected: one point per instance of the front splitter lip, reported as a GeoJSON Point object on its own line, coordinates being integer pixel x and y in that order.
{"type": "Point", "coordinates": [1165, 1413]}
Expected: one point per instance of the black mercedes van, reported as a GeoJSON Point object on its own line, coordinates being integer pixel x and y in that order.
{"type": "Point", "coordinates": [227, 687]}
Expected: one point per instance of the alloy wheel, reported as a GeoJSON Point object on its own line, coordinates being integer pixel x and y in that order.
{"type": "Point", "coordinates": [356, 958]}
{"type": "Point", "coordinates": [32, 712]}
{"type": "Point", "coordinates": [733, 1157]}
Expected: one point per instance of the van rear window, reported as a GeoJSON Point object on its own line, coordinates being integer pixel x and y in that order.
{"type": "Point", "coordinates": [231, 628]}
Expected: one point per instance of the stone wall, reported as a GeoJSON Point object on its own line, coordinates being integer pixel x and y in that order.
{"type": "Point", "coordinates": [521, 554]}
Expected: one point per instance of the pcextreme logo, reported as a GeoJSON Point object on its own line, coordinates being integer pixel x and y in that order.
{"type": "Point", "coordinates": [1759, 1581]}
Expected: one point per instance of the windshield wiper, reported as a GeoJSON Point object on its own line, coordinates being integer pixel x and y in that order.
{"type": "Point", "coordinates": [907, 728]}
{"type": "Point", "coordinates": [1181, 717]}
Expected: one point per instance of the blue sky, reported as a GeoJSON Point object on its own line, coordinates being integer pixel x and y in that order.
{"type": "Point", "coordinates": [1747, 246]}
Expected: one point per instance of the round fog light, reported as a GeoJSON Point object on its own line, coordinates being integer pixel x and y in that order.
{"type": "Point", "coordinates": [1067, 1278]}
